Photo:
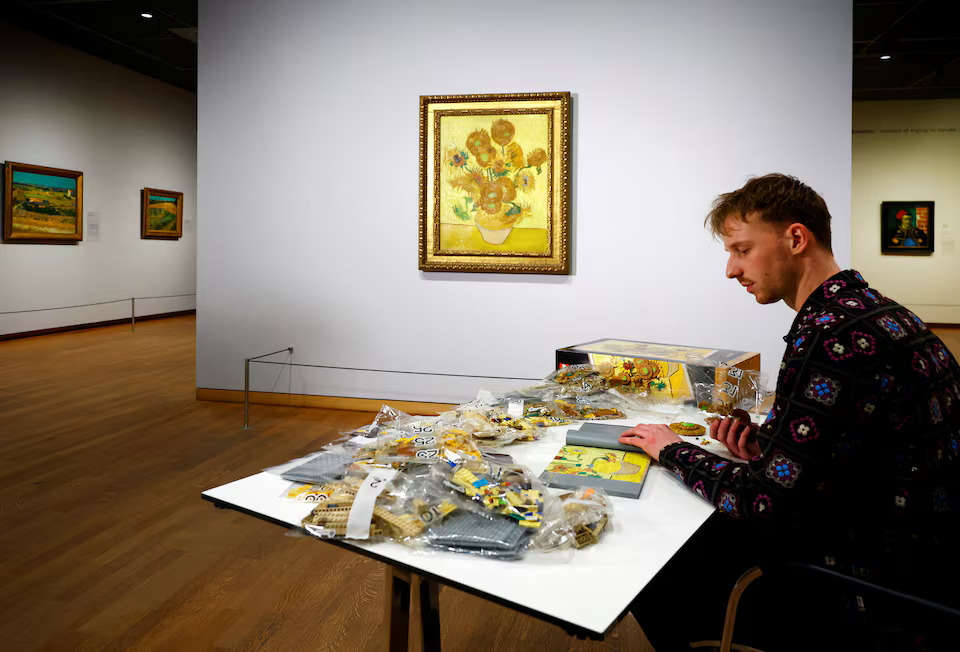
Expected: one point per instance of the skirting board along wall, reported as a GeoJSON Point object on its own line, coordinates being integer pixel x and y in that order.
{"type": "Point", "coordinates": [329, 402]}
{"type": "Point", "coordinates": [97, 324]}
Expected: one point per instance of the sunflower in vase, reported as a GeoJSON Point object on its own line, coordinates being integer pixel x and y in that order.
{"type": "Point", "coordinates": [492, 173]}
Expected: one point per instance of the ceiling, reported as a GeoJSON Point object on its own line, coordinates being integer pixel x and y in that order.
{"type": "Point", "coordinates": [922, 38]}
{"type": "Point", "coordinates": [164, 47]}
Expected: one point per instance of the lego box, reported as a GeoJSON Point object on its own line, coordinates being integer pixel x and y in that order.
{"type": "Point", "coordinates": [667, 370]}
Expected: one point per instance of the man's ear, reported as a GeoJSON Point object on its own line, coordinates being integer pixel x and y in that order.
{"type": "Point", "coordinates": [799, 236]}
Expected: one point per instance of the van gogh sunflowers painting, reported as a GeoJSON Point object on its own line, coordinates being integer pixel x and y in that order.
{"type": "Point", "coordinates": [494, 183]}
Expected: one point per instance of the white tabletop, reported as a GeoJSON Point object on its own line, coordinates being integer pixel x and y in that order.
{"type": "Point", "coordinates": [589, 592]}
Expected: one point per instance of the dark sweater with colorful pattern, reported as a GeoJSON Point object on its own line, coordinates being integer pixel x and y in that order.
{"type": "Point", "coordinates": [861, 451]}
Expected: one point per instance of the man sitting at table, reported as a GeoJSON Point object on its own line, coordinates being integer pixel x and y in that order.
{"type": "Point", "coordinates": [856, 467]}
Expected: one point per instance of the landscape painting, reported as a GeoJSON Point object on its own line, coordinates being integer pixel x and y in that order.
{"type": "Point", "coordinates": [162, 215]}
{"type": "Point", "coordinates": [42, 204]}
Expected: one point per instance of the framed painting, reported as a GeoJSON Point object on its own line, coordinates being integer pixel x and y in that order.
{"type": "Point", "coordinates": [494, 183]}
{"type": "Point", "coordinates": [161, 215]}
{"type": "Point", "coordinates": [41, 204]}
{"type": "Point", "coordinates": [906, 227]}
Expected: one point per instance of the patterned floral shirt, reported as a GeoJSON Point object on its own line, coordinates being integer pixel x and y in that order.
{"type": "Point", "coordinates": [861, 451]}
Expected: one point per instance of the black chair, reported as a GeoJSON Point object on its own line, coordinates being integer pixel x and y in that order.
{"type": "Point", "coordinates": [826, 579]}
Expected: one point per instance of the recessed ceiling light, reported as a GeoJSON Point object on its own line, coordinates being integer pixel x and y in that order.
{"type": "Point", "coordinates": [884, 57]}
{"type": "Point", "coordinates": [146, 15]}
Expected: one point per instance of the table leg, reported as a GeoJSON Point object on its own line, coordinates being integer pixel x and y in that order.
{"type": "Point", "coordinates": [398, 608]}
{"type": "Point", "coordinates": [430, 615]}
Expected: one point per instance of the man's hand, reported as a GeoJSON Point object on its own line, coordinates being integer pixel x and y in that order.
{"type": "Point", "coordinates": [738, 436]}
{"type": "Point", "coordinates": [651, 438]}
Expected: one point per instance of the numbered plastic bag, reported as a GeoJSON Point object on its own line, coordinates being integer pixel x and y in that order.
{"type": "Point", "coordinates": [578, 379]}
{"type": "Point", "coordinates": [586, 408]}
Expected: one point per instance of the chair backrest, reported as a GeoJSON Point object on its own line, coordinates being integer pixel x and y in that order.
{"type": "Point", "coordinates": [807, 572]}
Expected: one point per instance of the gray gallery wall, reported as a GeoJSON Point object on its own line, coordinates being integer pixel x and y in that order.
{"type": "Point", "coordinates": [65, 109]}
{"type": "Point", "coordinates": [308, 162]}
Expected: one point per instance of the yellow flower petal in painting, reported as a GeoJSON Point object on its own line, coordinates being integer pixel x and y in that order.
{"type": "Point", "coordinates": [514, 154]}
{"type": "Point", "coordinates": [455, 157]}
{"type": "Point", "coordinates": [486, 157]}
{"type": "Point", "coordinates": [499, 166]}
{"type": "Point", "coordinates": [464, 182]}
{"type": "Point", "coordinates": [506, 187]}
{"type": "Point", "coordinates": [518, 211]}
{"type": "Point", "coordinates": [537, 157]}
{"type": "Point", "coordinates": [491, 197]}
{"type": "Point", "coordinates": [502, 131]}
{"type": "Point", "coordinates": [478, 141]}
{"type": "Point", "coordinates": [526, 180]}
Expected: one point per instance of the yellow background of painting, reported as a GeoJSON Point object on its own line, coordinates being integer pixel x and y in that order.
{"type": "Point", "coordinates": [531, 133]}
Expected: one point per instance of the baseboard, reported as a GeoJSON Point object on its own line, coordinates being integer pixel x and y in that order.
{"type": "Point", "coordinates": [95, 324]}
{"type": "Point", "coordinates": [328, 402]}
{"type": "Point", "coordinates": [940, 325]}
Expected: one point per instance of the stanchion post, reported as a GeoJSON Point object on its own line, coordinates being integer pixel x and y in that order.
{"type": "Point", "coordinates": [133, 314]}
{"type": "Point", "coordinates": [246, 394]}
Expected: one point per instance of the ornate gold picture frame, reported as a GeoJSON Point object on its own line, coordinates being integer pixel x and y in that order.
{"type": "Point", "coordinates": [42, 204]}
{"type": "Point", "coordinates": [494, 183]}
{"type": "Point", "coordinates": [161, 214]}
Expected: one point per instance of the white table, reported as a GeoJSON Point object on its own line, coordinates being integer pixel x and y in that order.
{"type": "Point", "coordinates": [646, 533]}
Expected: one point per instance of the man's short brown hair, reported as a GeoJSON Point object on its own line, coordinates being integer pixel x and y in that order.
{"type": "Point", "coordinates": [777, 199]}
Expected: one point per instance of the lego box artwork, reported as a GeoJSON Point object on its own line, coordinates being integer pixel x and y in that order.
{"type": "Point", "coordinates": [665, 371]}
{"type": "Point", "coordinates": [619, 473]}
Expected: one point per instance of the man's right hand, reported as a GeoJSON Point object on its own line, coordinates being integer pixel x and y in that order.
{"type": "Point", "coordinates": [739, 437]}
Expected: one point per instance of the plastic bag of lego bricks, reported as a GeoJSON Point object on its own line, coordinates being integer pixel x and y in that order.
{"type": "Point", "coordinates": [501, 507]}
{"type": "Point", "coordinates": [374, 506]}
{"type": "Point", "coordinates": [732, 387]}
{"type": "Point", "coordinates": [308, 493]}
{"type": "Point", "coordinates": [589, 512]}
{"type": "Point", "coordinates": [457, 443]}
{"type": "Point", "coordinates": [578, 379]}
{"type": "Point", "coordinates": [713, 400]}
{"type": "Point", "coordinates": [506, 490]}
{"type": "Point", "coordinates": [397, 445]}
{"type": "Point", "coordinates": [321, 467]}
{"type": "Point", "coordinates": [486, 434]}
{"type": "Point", "coordinates": [754, 394]}
{"type": "Point", "coordinates": [538, 410]}
{"type": "Point", "coordinates": [587, 408]}
{"type": "Point", "coordinates": [407, 507]}
{"type": "Point", "coordinates": [638, 400]}
{"type": "Point", "coordinates": [367, 435]}
{"type": "Point", "coordinates": [527, 429]}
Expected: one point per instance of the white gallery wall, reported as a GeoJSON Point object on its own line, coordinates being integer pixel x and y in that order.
{"type": "Point", "coordinates": [63, 108]}
{"type": "Point", "coordinates": [909, 151]}
{"type": "Point", "coordinates": [308, 168]}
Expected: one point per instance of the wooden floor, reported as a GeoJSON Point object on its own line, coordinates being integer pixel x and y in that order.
{"type": "Point", "coordinates": [105, 543]}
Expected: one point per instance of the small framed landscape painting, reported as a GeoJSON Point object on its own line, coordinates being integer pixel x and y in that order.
{"type": "Point", "coordinates": [41, 204]}
{"type": "Point", "coordinates": [162, 214]}
{"type": "Point", "coordinates": [494, 183]}
{"type": "Point", "coordinates": [906, 227]}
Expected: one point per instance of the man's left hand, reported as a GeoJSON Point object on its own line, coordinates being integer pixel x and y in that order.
{"type": "Point", "coordinates": [651, 438]}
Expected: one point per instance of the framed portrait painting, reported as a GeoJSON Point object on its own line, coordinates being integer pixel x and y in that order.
{"type": "Point", "coordinates": [42, 204]}
{"type": "Point", "coordinates": [494, 183]}
{"type": "Point", "coordinates": [906, 227]}
{"type": "Point", "coordinates": [161, 215]}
